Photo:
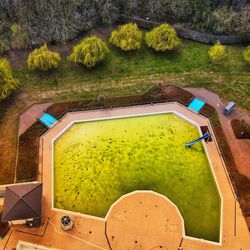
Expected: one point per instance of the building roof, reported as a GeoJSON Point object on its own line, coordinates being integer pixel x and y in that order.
{"type": "Point", "coordinates": [22, 202]}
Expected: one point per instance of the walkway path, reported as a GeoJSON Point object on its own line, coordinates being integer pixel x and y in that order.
{"type": "Point", "coordinates": [31, 115]}
{"type": "Point", "coordinates": [240, 148]}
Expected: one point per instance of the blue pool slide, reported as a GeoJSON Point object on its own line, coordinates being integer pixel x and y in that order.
{"type": "Point", "coordinates": [205, 136]}
{"type": "Point", "coordinates": [47, 119]}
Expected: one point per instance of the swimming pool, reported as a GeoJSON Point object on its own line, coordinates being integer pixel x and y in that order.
{"type": "Point", "coordinates": [96, 162]}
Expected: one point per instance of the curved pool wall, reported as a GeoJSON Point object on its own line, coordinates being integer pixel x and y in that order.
{"type": "Point", "coordinates": [195, 192]}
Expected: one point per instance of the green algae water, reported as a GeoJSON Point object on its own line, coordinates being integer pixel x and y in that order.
{"type": "Point", "coordinates": [96, 162]}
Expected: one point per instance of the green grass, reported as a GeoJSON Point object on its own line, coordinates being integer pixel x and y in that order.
{"type": "Point", "coordinates": [97, 162]}
{"type": "Point", "coordinates": [127, 73]}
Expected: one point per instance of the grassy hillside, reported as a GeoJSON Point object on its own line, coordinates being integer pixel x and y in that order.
{"type": "Point", "coordinates": [129, 72]}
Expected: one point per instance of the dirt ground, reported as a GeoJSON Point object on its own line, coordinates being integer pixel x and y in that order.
{"type": "Point", "coordinates": [9, 134]}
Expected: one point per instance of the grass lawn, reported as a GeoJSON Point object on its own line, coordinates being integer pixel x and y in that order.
{"type": "Point", "coordinates": [97, 162]}
{"type": "Point", "coordinates": [126, 73]}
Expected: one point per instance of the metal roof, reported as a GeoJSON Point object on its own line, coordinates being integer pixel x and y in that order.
{"type": "Point", "coordinates": [22, 202]}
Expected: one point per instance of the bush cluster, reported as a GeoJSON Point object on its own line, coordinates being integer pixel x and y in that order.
{"type": "Point", "coordinates": [246, 54]}
{"type": "Point", "coordinates": [89, 52]}
{"type": "Point", "coordinates": [92, 50]}
{"type": "Point", "coordinates": [7, 82]}
{"type": "Point", "coordinates": [43, 59]}
{"type": "Point", "coordinates": [162, 38]}
{"type": "Point", "coordinates": [217, 52]}
{"type": "Point", "coordinates": [127, 37]}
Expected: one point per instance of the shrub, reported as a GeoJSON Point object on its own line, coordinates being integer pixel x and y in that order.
{"type": "Point", "coordinates": [4, 46]}
{"type": "Point", "coordinates": [162, 38]}
{"type": "Point", "coordinates": [246, 54]}
{"type": "Point", "coordinates": [7, 82]}
{"type": "Point", "coordinates": [89, 52]}
{"type": "Point", "coordinates": [43, 59]}
{"type": "Point", "coordinates": [217, 52]}
{"type": "Point", "coordinates": [19, 37]}
{"type": "Point", "coordinates": [127, 37]}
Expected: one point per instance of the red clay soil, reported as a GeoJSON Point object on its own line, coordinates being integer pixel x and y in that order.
{"type": "Point", "coordinates": [10, 109]}
{"type": "Point", "coordinates": [241, 129]}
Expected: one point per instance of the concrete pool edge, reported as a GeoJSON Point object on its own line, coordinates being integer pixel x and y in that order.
{"type": "Point", "coordinates": [181, 116]}
{"type": "Point", "coordinates": [143, 114]}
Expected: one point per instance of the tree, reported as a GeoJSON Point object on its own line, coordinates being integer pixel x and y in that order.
{"type": "Point", "coordinates": [217, 52]}
{"type": "Point", "coordinates": [108, 11]}
{"type": "Point", "coordinates": [89, 52]}
{"type": "Point", "coordinates": [7, 82]}
{"type": "Point", "coordinates": [19, 37]}
{"type": "Point", "coordinates": [127, 37]}
{"type": "Point", "coordinates": [246, 54]}
{"type": "Point", "coordinates": [243, 22]}
{"type": "Point", "coordinates": [162, 38]}
{"type": "Point", "coordinates": [224, 20]}
{"type": "Point", "coordinates": [58, 21]}
{"type": "Point", "coordinates": [43, 59]}
{"type": "Point", "coordinates": [4, 46]}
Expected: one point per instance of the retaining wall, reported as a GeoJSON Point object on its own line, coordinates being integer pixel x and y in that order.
{"type": "Point", "coordinates": [186, 33]}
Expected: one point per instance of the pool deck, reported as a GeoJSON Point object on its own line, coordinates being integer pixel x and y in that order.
{"type": "Point", "coordinates": [239, 148]}
{"type": "Point", "coordinates": [151, 221]}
